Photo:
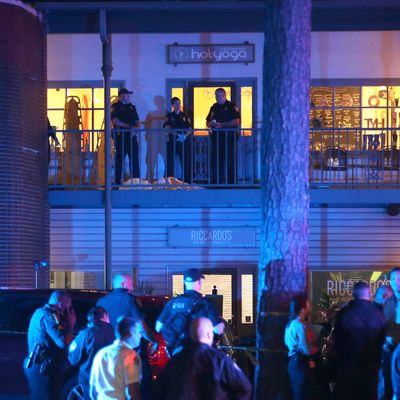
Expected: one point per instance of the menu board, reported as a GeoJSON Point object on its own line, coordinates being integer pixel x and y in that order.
{"type": "Point", "coordinates": [321, 115]}
{"type": "Point", "coordinates": [348, 96]}
{"type": "Point", "coordinates": [347, 118]}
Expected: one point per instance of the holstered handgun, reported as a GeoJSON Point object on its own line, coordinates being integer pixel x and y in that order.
{"type": "Point", "coordinates": [33, 356]}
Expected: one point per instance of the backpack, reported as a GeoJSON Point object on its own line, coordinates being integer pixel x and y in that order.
{"type": "Point", "coordinates": [178, 324]}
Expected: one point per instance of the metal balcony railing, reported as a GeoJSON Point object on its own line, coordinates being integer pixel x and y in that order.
{"type": "Point", "coordinates": [157, 158]}
{"type": "Point", "coordinates": [354, 158]}
{"type": "Point", "coordinates": [230, 158]}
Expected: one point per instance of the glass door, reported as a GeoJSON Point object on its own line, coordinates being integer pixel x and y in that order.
{"type": "Point", "coordinates": [201, 96]}
{"type": "Point", "coordinates": [236, 286]}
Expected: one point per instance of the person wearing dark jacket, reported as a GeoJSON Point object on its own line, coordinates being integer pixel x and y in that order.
{"type": "Point", "coordinates": [120, 302]}
{"type": "Point", "coordinates": [395, 371]}
{"type": "Point", "coordinates": [98, 334]}
{"type": "Point", "coordinates": [126, 123]}
{"type": "Point", "coordinates": [49, 335]}
{"type": "Point", "coordinates": [358, 336]}
{"type": "Point", "coordinates": [193, 305]}
{"type": "Point", "coordinates": [179, 141]}
{"type": "Point", "coordinates": [223, 148]}
{"type": "Point", "coordinates": [391, 309]}
{"type": "Point", "coordinates": [200, 372]}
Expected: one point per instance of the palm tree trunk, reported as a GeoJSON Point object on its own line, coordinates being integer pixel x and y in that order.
{"type": "Point", "coordinates": [284, 186]}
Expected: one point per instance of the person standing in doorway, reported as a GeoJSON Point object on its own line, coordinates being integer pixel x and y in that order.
{"type": "Point", "coordinates": [126, 121]}
{"type": "Point", "coordinates": [223, 114]}
{"type": "Point", "coordinates": [179, 141]}
{"type": "Point", "coordinates": [174, 321]}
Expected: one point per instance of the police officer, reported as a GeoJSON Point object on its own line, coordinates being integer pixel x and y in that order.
{"type": "Point", "coordinates": [193, 301]}
{"type": "Point", "coordinates": [179, 142]}
{"type": "Point", "coordinates": [98, 334]}
{"type": "Point", "coordinates": [125, 120]}
{"type": "Point", "coordinates": [201, 372]}
{"type": "Point", "coordinates": [49, 334]}
{"type": "Point", "coordinates": [223, 114]}
{"type": "Point", "coordinates": [121, 302]}
{"type": "Point", "coordinates": [391, 309]}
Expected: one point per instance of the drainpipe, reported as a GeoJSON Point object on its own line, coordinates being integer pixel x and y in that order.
{"type": "Point", "coordinates": [107, 70]}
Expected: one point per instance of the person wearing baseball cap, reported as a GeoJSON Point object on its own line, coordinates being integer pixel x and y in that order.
{"type": "Point", "coordinates": [125, 120]}
{"type": "Point", "coordinates": [192, 275]}
{"type": "Point", "coordinates": [189, 306]}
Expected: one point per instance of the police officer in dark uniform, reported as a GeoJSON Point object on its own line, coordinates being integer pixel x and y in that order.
{"type": "Point", "coordinates": [121, 302]}
{"type": "Point", "coordinates": [98, 334]}
{"type": "Point", "coordinates": [49, 334]}
{"type": "Point", "coordinates": [125, 120]}
{"type": "Point", "coordinates": [179, 142]}
{"type": "Point", "coordinates": [201, 372]}
{"type": "Point", "coordinates": [223, 114]}
{"type": "Point", "coordinates": [193, 301]}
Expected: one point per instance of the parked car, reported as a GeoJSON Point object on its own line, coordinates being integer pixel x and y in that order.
{"type": "Point", "coordinates": [17, 307]}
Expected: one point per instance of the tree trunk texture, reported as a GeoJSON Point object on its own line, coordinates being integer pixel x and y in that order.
{"type": "Point", "coordinates": [284, 185]}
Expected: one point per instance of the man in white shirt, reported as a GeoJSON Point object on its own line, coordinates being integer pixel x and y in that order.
{"type": "Point", "coordinates": [116, 370]}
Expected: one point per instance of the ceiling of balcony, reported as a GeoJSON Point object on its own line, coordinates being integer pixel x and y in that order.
{"type": "Point", "coordinates": [211, 15]}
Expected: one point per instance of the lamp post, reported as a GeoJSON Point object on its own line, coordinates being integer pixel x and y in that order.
{"type": "Point", "coordinates": [36, 266]}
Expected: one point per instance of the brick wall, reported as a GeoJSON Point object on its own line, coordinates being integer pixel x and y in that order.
{"type": "Point", "coordinates": [24, 219]}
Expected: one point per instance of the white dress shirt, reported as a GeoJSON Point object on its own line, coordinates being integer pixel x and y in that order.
{"type": "Point", "coordinates": [114, 368]}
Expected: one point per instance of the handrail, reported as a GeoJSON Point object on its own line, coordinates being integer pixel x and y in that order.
{"type": "Point", "coordinates": [198, 158]}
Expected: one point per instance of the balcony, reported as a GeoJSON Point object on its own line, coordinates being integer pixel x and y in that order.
{"type": "Point", "coordinates": [193, 160]}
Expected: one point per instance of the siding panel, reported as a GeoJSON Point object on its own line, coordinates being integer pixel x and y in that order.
{"type": "Point", "coordinates": [340, 238]}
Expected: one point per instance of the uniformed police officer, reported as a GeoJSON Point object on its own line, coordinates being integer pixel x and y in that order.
{"type": "Point", "coordinates": [121, 302]}
{"type": "Point", "coordinates": [125, 120]}
{"type": "Point", "coordinates": [201, 372]}
{"type": "Point", "coordinates": [179, 142]}
{"type": "Point", "coordinates": [49, 334]}
{"type": "Point", "coordinates": [223, 114]}
{"type": "Point", "coordinates": [98, 334]}
{"type": "Point", "coordinates": [193, 301]}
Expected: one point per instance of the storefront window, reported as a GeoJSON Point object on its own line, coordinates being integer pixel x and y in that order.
{"type": "Point", "coordinates": [360, 107]}
{"type": "Point", "coordinates": [89, 109]}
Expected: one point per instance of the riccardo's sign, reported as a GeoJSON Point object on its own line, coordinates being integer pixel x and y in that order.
{"type": "Point", "coordinates": [210, 53]}
{"type": "Point", "coordinates": [212, 237]}
{"type": "Point", "coordinates": [337, 286]}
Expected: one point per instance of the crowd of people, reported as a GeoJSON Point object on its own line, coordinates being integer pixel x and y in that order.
{"type": "Point", "coordinates": [361, 357]}
{"type": "Point", "coordinates": [107, 351]}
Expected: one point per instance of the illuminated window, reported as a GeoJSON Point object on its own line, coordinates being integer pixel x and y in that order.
{"type": "Point", "coordinates": [246, 109]}
{"type": "Point", "coordinates": [359, 107]}
{"type": "Point", "coordinates": [203, 99]}
{"type": "Point", "coordinates": [247, 299]}
{"type": "Point", "coordinates": [177, 92]}
{"type": "Point", "coordinates": [90, 111]}
{"type": "Point", "coordinates": [223, 284]}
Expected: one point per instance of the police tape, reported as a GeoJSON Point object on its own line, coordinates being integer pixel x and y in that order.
{"type": "Point", "coordinates": [251, 349]}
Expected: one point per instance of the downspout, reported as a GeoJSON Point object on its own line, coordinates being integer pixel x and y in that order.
{"type": "Point", "coordinates": [107, 70]}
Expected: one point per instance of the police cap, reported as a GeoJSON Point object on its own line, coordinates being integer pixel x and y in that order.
{"type": "Point", "coordinates": [124, 91]}
{"type": "Point", "coordinates": [193, 275]}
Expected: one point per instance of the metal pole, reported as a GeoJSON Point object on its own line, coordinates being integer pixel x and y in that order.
{"type": "Point", "coordinates": [107, 70]}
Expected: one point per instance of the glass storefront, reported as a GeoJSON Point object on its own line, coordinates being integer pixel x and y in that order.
{"type": "Point", "coordinates": [369, 108]}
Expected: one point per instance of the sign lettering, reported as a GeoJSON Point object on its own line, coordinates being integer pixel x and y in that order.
{"type": "Point", "coordinates": [210, 53]}
{"type": "Point", "coordinates": [212, 237]}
